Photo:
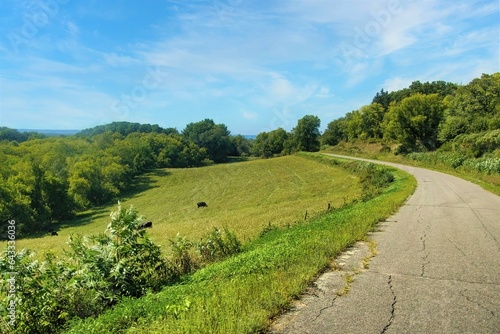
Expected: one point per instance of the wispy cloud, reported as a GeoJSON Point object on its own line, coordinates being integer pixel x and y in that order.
{"type": "Point", "coordinates": [248, 63]}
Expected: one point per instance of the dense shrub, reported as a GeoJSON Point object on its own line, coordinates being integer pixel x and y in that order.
{"type": "Point", "coordinates": [100, 270]}
{"type": "Point", "coordinates": [373, 178]}
{"type": "Point", "coordinates": [487, 164]}
{"type": "Point", "coordinates": [484, 165]}
{"type": "Point", "coordinates": [218, 245]}
{"type": "Point", "coordinates": [477, 144]}
{"type": "Point", "coordinates": [182, 255]}
{"type": "Point", "coordinates": [188, 256]}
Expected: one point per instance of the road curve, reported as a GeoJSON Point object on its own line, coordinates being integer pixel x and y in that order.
{"type": "Point", "coordinates": [437, 268]}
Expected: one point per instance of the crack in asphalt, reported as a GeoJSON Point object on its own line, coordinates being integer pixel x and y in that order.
{"type": "Point", "coordinates": [324, 308]}
{"type": "Point", "coordinates": [458, 248]}
{"type": "Point", "coordinates": [470, 300]}
{"type": "Point", "coordinates": [485, 228]}
{"type": "Point", "coordinates": [394, 301]}
{"type": "Point", "coordinates": [424, 263]}
{"type": "Point", "coordinates": [423, 240]}
{"type": "Point", "coordinates": [440, 279]}
{"type": "Point", "coordinates": [477, 216]}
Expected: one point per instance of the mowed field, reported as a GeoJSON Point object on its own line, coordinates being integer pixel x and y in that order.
{"type": "Point", "coordinates": [243, 196]}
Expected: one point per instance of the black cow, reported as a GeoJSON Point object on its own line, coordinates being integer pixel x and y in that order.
{"type": "Point", "coordinates": [202, 205]}
{"type": "Point", "coordinates": [53, 233]}
{"type": "Point", "coordinates": [146, 225]}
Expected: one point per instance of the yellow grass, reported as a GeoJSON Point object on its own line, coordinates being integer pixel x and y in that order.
{"type": "Point", "coordinates": [244, 196]}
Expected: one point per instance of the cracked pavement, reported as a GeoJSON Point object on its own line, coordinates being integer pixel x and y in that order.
{"type": "Point", "coordinates": [437, 269]}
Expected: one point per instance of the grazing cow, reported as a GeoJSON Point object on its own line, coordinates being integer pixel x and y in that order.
{"type": "Point", "coordinates": [202, 205]}
{"type": "Point", "coordinates": [146, 225]}
{"type": "Point", "coordinates": [53, 233]}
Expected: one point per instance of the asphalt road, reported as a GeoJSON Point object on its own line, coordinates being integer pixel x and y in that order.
{"type": "Point", "coordinates": [436, 269]}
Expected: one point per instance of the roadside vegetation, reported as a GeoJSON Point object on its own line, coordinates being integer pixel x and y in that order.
{"type": "Point", "coordinates": [471, 169]}
{"type": "Point", "coordinates": [237, 295]}
{"type": "Point", "coordinates": [438, 125]}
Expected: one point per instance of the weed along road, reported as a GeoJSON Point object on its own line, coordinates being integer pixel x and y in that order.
{"type": "Point", "coordinates": [435, 269]}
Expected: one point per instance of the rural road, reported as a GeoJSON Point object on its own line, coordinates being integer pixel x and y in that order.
{"type": "Point", "coordinates": [436, 269]}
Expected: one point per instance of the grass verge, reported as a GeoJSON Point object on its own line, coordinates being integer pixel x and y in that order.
{"type": "Point", "coordinates": [241, 294]}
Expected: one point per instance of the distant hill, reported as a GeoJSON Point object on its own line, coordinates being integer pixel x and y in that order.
{"type": "Point", "coordinates": [250, 136]}
{"type": "Point", "coordinates": [49, 132]}
{"type": "Point", "coordinates": [126, 128]}
{"type": "Point", "coordinates": [21, 135]}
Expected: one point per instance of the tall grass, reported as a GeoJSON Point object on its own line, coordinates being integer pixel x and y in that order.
{"type": "Point", "coordinates": [241, 294]}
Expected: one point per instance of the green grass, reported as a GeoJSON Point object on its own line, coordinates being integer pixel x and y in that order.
{"type": "Point", "coordinates": [244, 196]}
{"type": "Point", "coordinates": [490, 182]}
{"type": "Point", "coordinates": [240, 294]}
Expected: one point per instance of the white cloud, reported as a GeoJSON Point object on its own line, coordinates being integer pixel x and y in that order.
{"type": "Point", "coordinates": [280, 58]}
{"type": "Point", "coordinates": [486, 38]}
{"type": "Point", "coordinates": [117, 60]}
{"type": "Point", "coordinates": [249, 115]}
{"type": "Point", "coordinates": [324, 92]}
{"type": "Point", "coordinates": [408, 26]}
{"type": "Point", "coordinates": [280, 88]}
{"type": "Point", "coordinates": [396, 83]}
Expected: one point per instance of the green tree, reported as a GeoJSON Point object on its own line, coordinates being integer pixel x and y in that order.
{"type": "Point", "coordinates": [12, 135]}
{"type": "Point", "coordinates": [478, 103]}
{"type": "Point", "coordinates": [383, 98]}
{"type": "Point", "coordinates": [306, 134]}
{"type": "Point", "coordinates": [213, 137]}
{"type": "Point", "coordinates": [277, 139]}
{"type": "Point", "coordinates": [178, 152]}
{"type": "Point", "coordinates": [240, 146]}
{"type": "Point", "coordinates": [273, 143]}
{"type": "Point", "coordinates": [336, 131]}
{"type": "Point", "coordinates": [125, 128]}
{"type": "Point", "coordinates": [95, 181]}
{"type": "Point", "coordinates": [415, 122]}
{"type": "Point", "coordinates": [354, 122]}
{"type": "Point", "coordinates": [262, 147]}
{"type": "Point", "coordinates": [442, 88]}
{"type": "Point", "coordinates": [364, 123]}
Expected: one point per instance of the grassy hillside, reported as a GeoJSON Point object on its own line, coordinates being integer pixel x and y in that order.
{"type": "Point", "coordinates": [241, 294]}
{"type": "Point", "coordinates": [244, 196]}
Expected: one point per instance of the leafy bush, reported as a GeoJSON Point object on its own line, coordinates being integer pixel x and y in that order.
{"type": "Point", "coordinates": [484, 165]}
{"type": "Point", "coordinates": [182, 255]}
{"type": "Point", "coordinates": [218, 245]}
{"type": "Point", "coordinates": [451, 159]}
{"type": "Point", "coordinates": [373, 178]}
{"type": "Point", "coordinates": [100, 270]}
{"type": "Point", "coordinates": [487, 165]}
{"type": "Point", "coordinates": [126, 259]}
{"type": "Point", "coordinates": [477, 144]}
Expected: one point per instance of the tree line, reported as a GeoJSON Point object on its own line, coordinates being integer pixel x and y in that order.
{"type": "Point", "coordinates": [427, 116]}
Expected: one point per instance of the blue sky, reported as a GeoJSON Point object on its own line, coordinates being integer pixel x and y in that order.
{"type": "Point", "coordinates": [253, 65]}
